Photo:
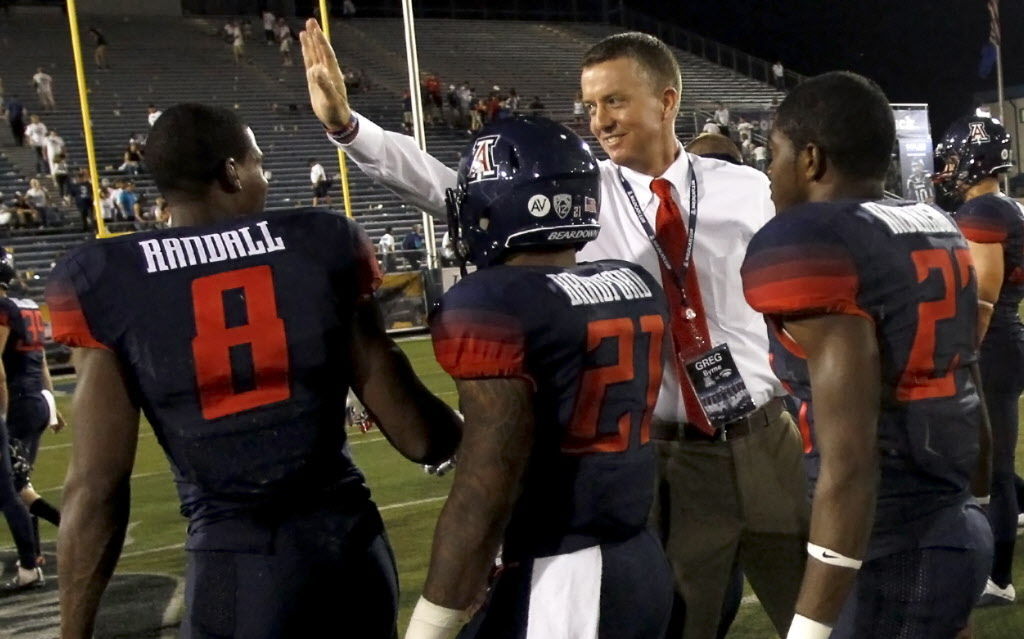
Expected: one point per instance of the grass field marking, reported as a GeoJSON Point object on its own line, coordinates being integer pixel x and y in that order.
{"type": "Point", "coordinates": [404, 504]}
{"type": "Point", "coordinates": [415, 502]}
{"type": "Point", "coordinates": [139, 553]}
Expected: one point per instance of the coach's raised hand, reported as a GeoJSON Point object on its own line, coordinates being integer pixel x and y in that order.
{"type": "Point", "coordinates": [327, 94]}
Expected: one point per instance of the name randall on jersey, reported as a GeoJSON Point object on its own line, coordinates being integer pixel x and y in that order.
{"type": "Point", "coordinates": [170, 253]}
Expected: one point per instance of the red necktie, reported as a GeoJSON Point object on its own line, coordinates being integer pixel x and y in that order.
{"type": "Point", "coordinates": [689, 336]}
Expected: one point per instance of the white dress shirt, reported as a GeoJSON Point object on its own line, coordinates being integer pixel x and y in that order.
{"type": "Point", "coordinates": [733, 203]}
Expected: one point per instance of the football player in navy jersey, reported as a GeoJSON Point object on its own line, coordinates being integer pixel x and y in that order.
{"type": "Point", "coordinates": [26, 399]}
{"type": "Point", "coordinates": [558, 366]}
{"type": "Point", "coordinates": [238, 334]}
{"type": "Point", "coordinates": [872, 308]}
{"type": "Point", "coordinates": [973, 152]}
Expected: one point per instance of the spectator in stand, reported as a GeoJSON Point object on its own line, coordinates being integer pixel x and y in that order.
{"type": "Point", "coordinates": [493, 106]}
{"type": "Point", "coordinates": [15, 112]}
{"type": "Point", "coordinates": [269, 22]}
{"type": "Point", "coordinates": [35, 133]}
{"type": "Point", "coordinates": [710, 126]}
{"type": "Point", "coordinates": [114, 200]}
{"type": "Point", "coordinates": [779, 75]}
{"type": "Point", "coordinates": [321, 184]}
{"type": "Point", "coordinates": [745, 129]}
{"type": "Point", "coordinates": [284, 39]}
{"type": "Point", "coordinates": [161, 214]}
{"type": "Point", "coordinates": [536, 106]}
{"type": "Point", "coordinates": [61, 178]}
{"type": "Point", "coordinates": [578, 112]}
{"type": "Point", "coordinates": [237, 44]}
{"type": "Point", "coordinates": [99, 55]}
{"type": "Point", "coordinates": [413, 245]}
{"type": "Point", "coordinates": [129, 201]}
{"type": "Point", "coordinates": [512, 103]}
{"type": "Point", "coordinates": [108, 208]}
{"type": "Point", "coordinates": [152, 113]}
{"type": "Point", "coordinates": [747, 149]}
{"type": "Point", "coordinates": [39, 199]}
{"type": "Point", "coordinates": [407, 113]}
{"type": "Point", "coordinates": [24, 213]}
{"type": "Point", "coordinates": [477, 110]}
{"type": "Point", "coordinates": [452, 98]}
{"type": "Point", "coordinates": [434, 98]}
{"type": "Point", "coordinates": [82, 192]}
{"type": "Point", "coordinates": [761, 158]}
{"type": "Point", "coordinates": [386, 248]}
{"type": "Point", "coordinates": [348, 9]}
{"type": "Point", "coordinates": [132, 159]}
{"type": "Point", "coordinates": [43, 83]}
{"type": "Point", "coordinates": [54, 146]}
{"type": "Point", "coordinates": [722, 117]}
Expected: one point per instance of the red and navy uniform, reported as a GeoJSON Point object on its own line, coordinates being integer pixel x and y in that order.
{"type": "Point", "coordinates": [996, 219]}
{"type": "Point", "coordinates": [28, 414]}
{"type": "Point", "coordinates": [590, 340]}
{"type": "Point", "coordinates": [234, 341]}
{"type": "Point", "coordinates": [906, 268]}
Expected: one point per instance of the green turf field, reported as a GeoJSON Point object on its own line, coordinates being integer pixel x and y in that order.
{"type": "Point", "coordinates": [409, 500]}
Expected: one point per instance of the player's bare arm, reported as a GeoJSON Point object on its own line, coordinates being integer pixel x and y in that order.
{"type": "Point", "coordinates": [988, 264]}
{"type": "Point", "coordinates": [492, 458]}
{"type": "Point", "coordinates": [842, 355]}
{"type": "Point", "coordinates": [5, 399]}
{"type": "Point", "coordinates": [96, 490]}
{"type": "Point", "coordinates": [327, 93]}
{"type": "Point", "coordinates": [416, 422]}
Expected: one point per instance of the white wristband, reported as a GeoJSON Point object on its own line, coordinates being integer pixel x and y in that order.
{"type": "Point", "coordinates": [832, 558]}
{"type": "Point", "coordinates": [803, 628]}
{"type": "Point", "coordinates": [431, 621]}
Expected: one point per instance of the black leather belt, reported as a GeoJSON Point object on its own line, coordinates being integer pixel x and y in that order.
{"type": "Point", "coordinates": [760, 418]}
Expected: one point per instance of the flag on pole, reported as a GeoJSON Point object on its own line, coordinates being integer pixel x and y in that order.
{"type": "Point", "coordinates": [993, 25]}
{"type": "Point", "coordinates": [988, 50]}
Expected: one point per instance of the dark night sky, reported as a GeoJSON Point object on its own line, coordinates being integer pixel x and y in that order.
{"type": "Point", "coordinates": [917, 50]}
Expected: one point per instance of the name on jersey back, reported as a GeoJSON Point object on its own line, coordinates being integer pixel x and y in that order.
{"type": "Point", "coordinates": [602, 287]}
{"type": "Point", "coordinates": [170, 253]}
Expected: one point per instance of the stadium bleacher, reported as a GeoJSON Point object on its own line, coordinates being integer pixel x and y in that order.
{"type": "Point", "coordinates": [189, 62]}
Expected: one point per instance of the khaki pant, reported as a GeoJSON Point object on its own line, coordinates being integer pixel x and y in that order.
{"type": "Point", "coordinates": [742, 501]}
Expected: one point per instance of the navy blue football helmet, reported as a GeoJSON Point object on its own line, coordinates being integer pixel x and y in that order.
{"type": "Point", "coordinates": [524, 183]}
{"type": "Point", "coordinates": [973, 148]}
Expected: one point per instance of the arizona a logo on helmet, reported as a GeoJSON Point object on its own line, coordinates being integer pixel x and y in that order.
{"type": "Point", "coordinates": [482, 166]}
{"type": "Point", "coordinates": [978, 132]}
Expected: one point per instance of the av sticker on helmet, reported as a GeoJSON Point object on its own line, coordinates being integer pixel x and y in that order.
{"type": "Point", "coordinates": [539, 205]}
{"type": "Point", "coordinates": [590, 205]}
{"type": "Point", "coordinates": [482, 167]}
{"type": "Point", "coordinates": [563, 204]}
{"type": "Point", "coordinates": [978, 132]}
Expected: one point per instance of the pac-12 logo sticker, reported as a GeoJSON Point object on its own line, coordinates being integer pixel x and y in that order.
{"type": "Point", "coordinates": [539, 205]}
{"type": "Point", "coordinates": [562, 203]}
{"type": "Point", "coordinates": [978, 132]}
{"type": "Point", "coordinates": [482, 166]}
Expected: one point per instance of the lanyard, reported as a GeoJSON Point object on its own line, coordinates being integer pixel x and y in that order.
{"type": "Point", "coordinates": [678, 276]}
